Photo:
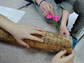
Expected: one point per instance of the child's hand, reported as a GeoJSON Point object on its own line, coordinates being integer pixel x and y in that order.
{"type": "Point", "coordinates": [58, 58]}
{"type": "Point", "coordinates": [64, 31]}
{"type": "Point", "coordinates": [46, 8]}
{"type": "Point", "coordinates": [21, 32]}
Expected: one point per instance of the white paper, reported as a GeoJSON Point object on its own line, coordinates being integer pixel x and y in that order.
{"type": "Point", "coordinates": [12, 14]}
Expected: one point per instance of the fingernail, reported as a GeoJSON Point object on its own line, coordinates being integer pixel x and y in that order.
{"type": "Point", "coordinates": [43, 34]}
{"type": "Point", "coordinates": [41, 40]}
{"type": "Point", "coordinates": [27, 47]}
{"type": "Point", "coordinates": [65, 51]}
{"type": "Point", "coordinates": [43, 30]}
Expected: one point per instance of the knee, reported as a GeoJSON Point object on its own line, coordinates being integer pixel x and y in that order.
{"type": "Point", "coordinates": [79, 7]}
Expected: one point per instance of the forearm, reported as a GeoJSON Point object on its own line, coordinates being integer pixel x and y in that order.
{"type": "Point", "coordinates": [65, 17]}
{"type": "Point", "coordinates": [6, 23]}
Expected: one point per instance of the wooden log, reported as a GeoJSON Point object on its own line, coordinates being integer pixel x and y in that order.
{"type": "Point", "coordinates": [52, 42]}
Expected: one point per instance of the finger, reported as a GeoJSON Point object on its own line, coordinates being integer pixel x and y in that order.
{"type": "Point", "coordinates": [46, 9]}
{"type": "Point", "coordinates": [23, 43]}
{"type": "Point", "coordinates": [34, 38]}
{"type": "Point", "coordinates": [38, 32]}
{"type": "Point", "coordinates": [67, 34]}
{"type": "Point", "coordinates": [52, 13]}
{"type": "Point", "coordinates": [61, 33]}
{"type": "Point", "coordinates": [44, 12]}
{"type": "Point", "coordinates": [39, 29]}
{"type": "Point", "coordinates": [61, 53]}
{"type": "Point", "coordinates": [52, 10]}
{"type": "Point", "coordinates": [68, 58]}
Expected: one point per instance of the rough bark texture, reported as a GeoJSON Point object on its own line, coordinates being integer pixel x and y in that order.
{"type": "Point", "coordinates": [52, 42]}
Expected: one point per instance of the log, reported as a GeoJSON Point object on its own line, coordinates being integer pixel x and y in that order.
{"type": "Point", "coordinates": [52, 42]}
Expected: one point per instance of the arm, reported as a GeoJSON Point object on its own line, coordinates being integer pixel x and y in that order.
{"type": "Point", "coordinates": [64, 20]}
{"type": "Point", "coordinates": [6, 24]}
{"type": "Point", "coordinates": [67, 9]}
{"type": "Point", "coordinates": [20, 32]}
{"type": "Point", "coordinates": [46, 8]}
{"type": "Point", "coordinates": [65, 17]}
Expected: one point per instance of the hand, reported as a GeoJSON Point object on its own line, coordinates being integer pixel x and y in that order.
{"type": "Point", "coordinates": [64, 31]}
{"type": "Point", "coordinates": [47, 8]}
{"type": "Point", "coordinates": [58, 58]}
{"type": "Point", "coordinates": [21, 32]}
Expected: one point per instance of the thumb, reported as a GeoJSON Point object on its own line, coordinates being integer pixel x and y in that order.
{"type": "Point", "coordinates": [61, 32]}
{"type": "Point", "coordinates": [61, 53]}
{"type": "Point", "coordinates": [67, 34]}
{"type": "Point", "coordinates": [21, 42]}
{"type": "Point", "coordinates": [68, 58]}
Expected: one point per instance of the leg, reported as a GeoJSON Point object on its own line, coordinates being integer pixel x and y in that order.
{"type": "Point", "coordinates": [78, 26]}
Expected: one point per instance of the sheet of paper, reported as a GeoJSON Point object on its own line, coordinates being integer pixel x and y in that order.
{"type": "Point", "coordinates": [12, 14]}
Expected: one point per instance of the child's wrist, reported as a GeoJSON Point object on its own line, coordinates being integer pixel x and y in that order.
{"type": "Point", "coordinates": [62, 25]}
{"type": "Point", "coordinates": [39, 2]}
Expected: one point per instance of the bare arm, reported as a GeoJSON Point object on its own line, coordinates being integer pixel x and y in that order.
{"type": "Point", "coordinates": [64, 18]}
{"type": "Point", "coordinates": [46, 8]}
{"type": "Point", "coordinates": [63, 26]}
{"type": "Point", "coordinates": [5, 23]}
{"type": "Point", "coordinates": [20, 32]}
